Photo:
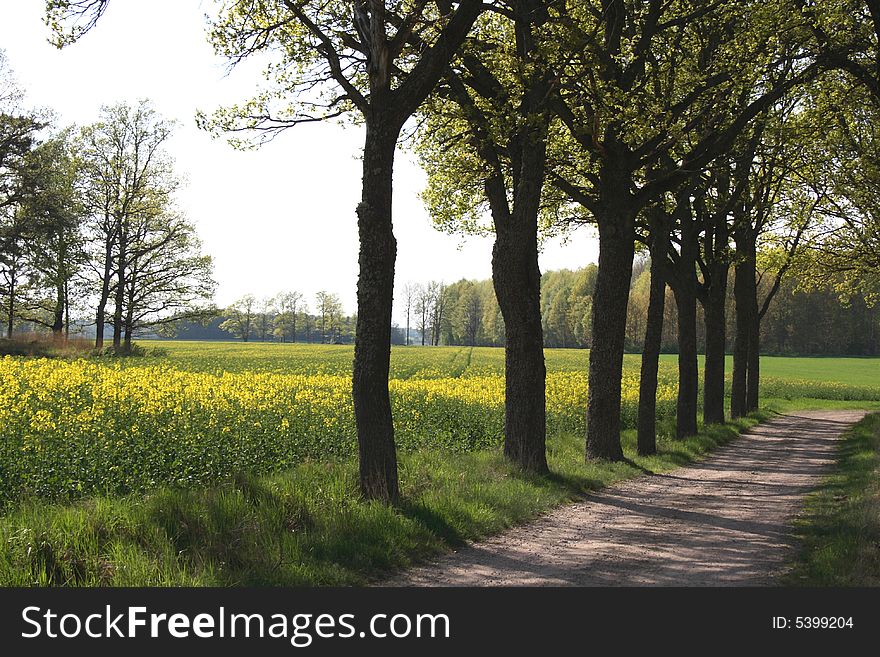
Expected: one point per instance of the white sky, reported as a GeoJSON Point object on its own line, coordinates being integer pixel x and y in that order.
{"type": "Point", "coordinates": [279, 218]}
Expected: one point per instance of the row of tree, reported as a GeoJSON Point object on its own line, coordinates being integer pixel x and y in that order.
{"type": "Point", "coordinates": [812, 322]}
{"type": "Point", "coordinates": [287, 318]}
{"type": "Point", "coordinates": [88, 224]}
{"type": "Point", "coordinates": [707, 132]}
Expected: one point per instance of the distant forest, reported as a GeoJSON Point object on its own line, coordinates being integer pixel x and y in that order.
{"type": "Point", "coordinates": [797, 322]}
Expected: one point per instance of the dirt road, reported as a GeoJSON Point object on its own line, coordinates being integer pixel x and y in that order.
{"type": "Point", "coordinates": [724, 521]}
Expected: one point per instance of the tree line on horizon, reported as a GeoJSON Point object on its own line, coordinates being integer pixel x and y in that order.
{"type": "Point", "coordinates": [715, 136]}
{"type": "Point", "coordinates": [799, 322]}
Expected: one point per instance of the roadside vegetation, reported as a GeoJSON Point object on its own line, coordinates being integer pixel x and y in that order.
{"type": "Point", "coordinates": [308, 525]}
{"type": "Point", "coordinates": [840, 527]}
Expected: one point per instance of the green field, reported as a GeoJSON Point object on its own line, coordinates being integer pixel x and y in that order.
{"type": "Point", "coordinates": [431, 362]}
{"type": "Point", "coordinates": [787, 382]}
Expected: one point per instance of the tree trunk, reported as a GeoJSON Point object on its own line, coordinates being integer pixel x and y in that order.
{"type": "Point", "coordinates": [120, 292]}
{"type": "Point", "coordinates": [11, 307]}
{"type": "Point", "coordinates": [685, 291]}
{"type": "Point", "coordinates": [129, 328]}
{"type": "Point", "coordinates": [753, 370]}
{"type": "Point", "coordinates": [100, 315]}
{"type": "Point", "coordinates": [58, 311]}
{"type": "Point", "coordinates": [745, 296]}
{"type": "Point", "coordinates": [60, 283]}
{"type": "Point", "coordinates": [66, 309]}
{"type": "Point", "coordinates": [647, 422]}
{"type": "Point", "coordinates": [688, 369]}
{"type": "Point", "coordinates": [517, 282]}
{"type": "Point", "coordinates": [375, 291]}
{"type": "Point", "coordinates": [714, 312]}
{"type": "Point", "coordinates": [608, 329]}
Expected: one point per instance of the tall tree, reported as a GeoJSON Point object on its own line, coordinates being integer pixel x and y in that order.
{"type": "Point", "coordinates": [289, 306]}
{"type": "Point", "coordinates": [423, 312]}
{"type": "Point", "coordinates": [329, 310]}
{"type": "Point", "coordinates": [167, 278]}
{"type": "Point", "coordinates": [658, 246]}
{"type": "Point", "coordinates": [410, 293]}
{"type": "Point", "coordinates": [54, 215]}
{"type": "Point", "coordinates": [129, 180]}
{"type": "Point", "coordinates": [494, 108]}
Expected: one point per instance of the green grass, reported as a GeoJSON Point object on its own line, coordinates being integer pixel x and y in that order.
{"type": "Point", "coordinates": [840, 526]}
{"type": "Point", "coordinates": [420, 362]}
{"type": "Point", "coordinates": [782, 405]}
{"type": "Point", "coordinates": [307, 526]}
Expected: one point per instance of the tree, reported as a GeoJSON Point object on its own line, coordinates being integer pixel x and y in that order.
{"type": "Point", "coordinates": [658, 248]}
{"type": "Point", "coordinates": [18, 139]}
{"type": "Point", "coordinates": [410, 293]}
{"type": "Point", "coordinates": [484, 145]}
{"type": "Point", "coordinates": [129, 181]}
{"type": "Point", "coordinates": [329, 309]}
{"type": "Point", "coordinates": [438, 309]}
{"type": "Point", "coordinates": [423, 312]}
{"type": "Point", "coordinates": [240, 317]}
{"type": "Point", "coordinates": [167, 278]}
{"type": "Point", "coordinates": [264, 318]}
{"type": "Point", "coordinates": [307, 321]}
{"type": "Point", "coordinates": [53, 213]}
{"type": "Point", "coordinates": [470, 315]}
{"type": "Point", "coordinates": [774, 213]}
{"type": "Point", "coordinates": [289, 305]}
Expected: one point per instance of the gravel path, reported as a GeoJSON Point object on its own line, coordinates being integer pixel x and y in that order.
{"type": "Point", "coordinates": [724, 521]}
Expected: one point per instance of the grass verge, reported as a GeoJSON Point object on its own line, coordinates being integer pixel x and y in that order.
{"type": "Point", "coordinates": [840, 525]}
{"type": "Point", "coordinates": [788, 405]}
{"type": "Point", "coordinates": [308, 526]}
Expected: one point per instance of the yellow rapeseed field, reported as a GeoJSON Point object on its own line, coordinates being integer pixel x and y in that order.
{"type": "Point", "coordinates": [201, 413]}
{"type": "Point", "coordinates": [80, 427]}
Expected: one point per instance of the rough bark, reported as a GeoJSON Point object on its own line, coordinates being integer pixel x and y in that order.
{"type": "Point", "coordinates": [715, 319]}
{"type": "Point", "coordinates": [375, 289]}
{"type": "Point", "coordinates": [685, 291]}
{"type": "Point", "coordinates": [688, 369]}
{"type": "Point", "coordinates": [746, 312]}
{"type": "Point", "coordinates": [716, 268]}
{"type": "Point", "coordinates": [610, 299]}
{"type": "Point", "coordinates": [517, 282]}
{"type": "Point", "coordinates": [753, 376]}
{"type": "Point", "coordinates": [647, 422]}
